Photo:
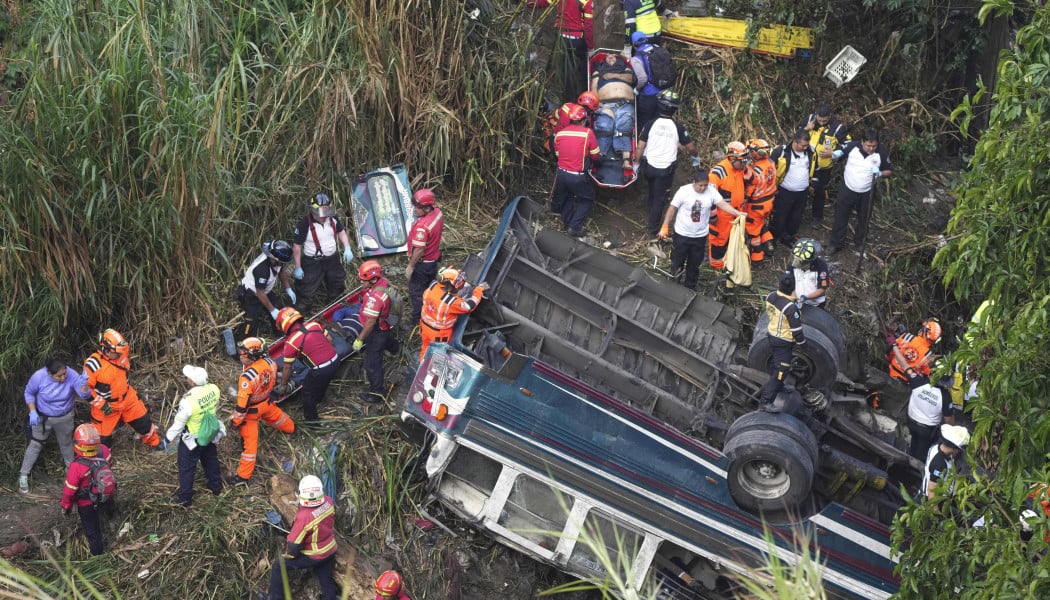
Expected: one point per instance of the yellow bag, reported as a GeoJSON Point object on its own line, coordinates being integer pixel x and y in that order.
{"type": "Point", "coordinates": [738, 257]}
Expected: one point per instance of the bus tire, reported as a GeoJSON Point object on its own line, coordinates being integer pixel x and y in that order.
{"type": "Point", "coordinates": [770, 471]}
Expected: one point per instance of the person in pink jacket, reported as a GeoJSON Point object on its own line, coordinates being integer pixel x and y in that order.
{"type": "Point", "coordinates": [88, 448]}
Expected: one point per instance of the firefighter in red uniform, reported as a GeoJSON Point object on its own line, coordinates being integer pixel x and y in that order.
{"type": "Point", "coordinates": [114, 400]}
{"type": "Point", "coordinates": [571, 25]}
{"type": "Point", "coordinates": [391, 586]}
{"type": "Point", "coordinates": [576, 146]}
{"type": "Point", "coordinates": [311, 542]}
{"type": "Point", "coordinates": [253, 403]}
{"type": "Point", "coordinates": [916, 349]}
{"type": "Point", "coordinates": [441, 306]}
{"type": "Point", "coordinates": [87, 447]}
{"type": "Point", "coordinates": [375, 314]}
{"type": "Point", "coordinates": [759, 194]}
{"type": "Point", "coordinates": [425, 243]}
{"type": "Point", "coordinates": [730, 177]}
{"type": "Point", "coordinates": [309, 343]}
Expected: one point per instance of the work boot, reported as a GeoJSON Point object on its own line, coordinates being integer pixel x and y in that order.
{"type": "Point", "coordinates": [235, 480]}
{"type": "Point", "coordinates": [370, 398]}
{"type": "Point", "coordinates": [23, 484]}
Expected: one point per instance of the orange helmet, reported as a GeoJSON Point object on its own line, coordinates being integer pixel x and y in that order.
{"type": "Point", "coordinates": [759, 147]}
{"type": "Point", "coordinates": [86, 440]}
{"type": "Point", "coordinates": [588, 99]}
{"type": "Point", "coordinates": [389, 583]}
{"type": "Point", "coordinates": [577, 112]}
{"type": "Point", "coordinates": [423, 197]}
{"type": "Point", "coordinates": [369, 270]}
{"type": "Point", "coordinates": [253, 347]}
{"type": "Point", "coordinates": [451, 277]}
{"type": "Point", "coordinates": [112, 341]}
{"type": "Point", "coordinates": [931, 330]}
{"type": "Point", "coordinates": [736, 150]}
{"type": "Point", "coordinates": [286, 317]}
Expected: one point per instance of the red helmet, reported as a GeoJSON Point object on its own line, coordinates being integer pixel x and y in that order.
{"type": "Point", "coordinates": [588, 99]}
{"type": "Point", "coordinates": [112, 341]}
{"type": "Point", "coordinates": [86, 440]}
{"type": "Point", "coordinates": [369, 270]}
{"type": "Point", "coordinates": [931, 330]}
{"type": "Point", "coordinates": [736, 150]}
{"type": "Point", "coordinates": [286, 317]}
{"type": "Point", "coordinates": [423, 197]}
{"type": "Point", "coordinates": [389, 583]}
{"type": "Point", "coordinates": [577, 112]}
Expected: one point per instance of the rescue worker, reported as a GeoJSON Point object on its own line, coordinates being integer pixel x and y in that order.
{"type": "Point", "coordinates": [646, 103]}
{"type": "Point", "coordinates": [86, 445]}
{"type": "Point", "coordinates": [575, 146]}
{"type": "Point", "coordinates": [642, 16]}
{"type": "Point", "coordinates": [916, 350]}
{"type": "Point", "coordinates": [315, 251]}
{"type": "Point", "coordinates": [940, 459]}
{"type": "Point", "coordinates": [390, 586]}
{"type": "Point", "coordinates": [826, 135]}
{"type": "Point", "coordinates": [202, 398]}
{"type": "Point", "coordinates": [571, 27]}
{"type": "Point", "coordinates": [928, 407]}
{"type": "Point", "coordinates": [114, 400]}
{"type": "Point", "coordinates": [255, 294]}
{"type": "Point", "coordinates": [310, 543]}
{"type": "Point", "coordinates": [795, 164]}
{"type": "Point", "coordinates": [254, 385]}
{"type": "Point", "coordinates": [729, 177]}
{"type": "Point", "coordinates": [588, 100]}
{"type": "Point", "coordinates": [785, 331]}
{"type": "Point", "coordinates": [49, 396]}
{"type": "Point", "coordinates": [759, 196]}
{"type": "Point", "coordinates": [658, 145]}
{"type": "Point", "coordinates": [425, 244]}
{"type": "Point", "coordinates": [308, 342]}
{"type": "Point", "coordinates": [812, 276]}
{"type": "Point", "coordinates": [376, 333]}
{"type": "Point", "coordinates": [691, 210]}
{"type": "Point", "coordinates": [865, 163]}
{"type": "Point", "coordinates": [442, 305]}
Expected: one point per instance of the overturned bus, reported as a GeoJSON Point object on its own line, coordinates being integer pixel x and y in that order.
{"type": "Point", "coordinates": [596, 418]}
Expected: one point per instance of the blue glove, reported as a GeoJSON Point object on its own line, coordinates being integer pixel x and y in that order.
{"type": "Point", "coordinates": [273, 314]}
{"type": "Point", "coordinates": [801, 300]}
{"type": "Point", "coordinates": [696, 162]}
{"type": "Point", "coordinates": [34, 418]}
{"type": "Point", "coordinates": [170, 447]}
{"type": "Point", "coordinates": [875, 172]}
{"type": "Point", "coordinates": [348, 255]}
{"type": "Point", "coordinates": [358, 344]}
{"type": "Point", "coordinates": [836, 154]}
{"type": "Point", "coordinates": [298, 273]}
{"type": "Point", "coordinates": [291, 295]}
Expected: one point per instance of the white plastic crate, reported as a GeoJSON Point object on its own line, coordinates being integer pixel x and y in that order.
{"type": "Point", "coordinates": [844, 66]}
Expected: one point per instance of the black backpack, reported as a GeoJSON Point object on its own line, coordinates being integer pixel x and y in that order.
{"type": "Point", "coordinates": [660, 68]}
{"type": "Point", "coordinates": [101, 482]}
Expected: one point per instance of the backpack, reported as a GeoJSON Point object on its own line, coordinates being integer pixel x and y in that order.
{"type": "Point", "coordinates": [101, 482]}
{"type": "Point", "coordinates": [661, 69]}
{"type": "Point", "coordinates": [208, 429]}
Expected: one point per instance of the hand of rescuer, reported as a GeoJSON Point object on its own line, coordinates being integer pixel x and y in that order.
{"type": "Point", "coordinates": [348, 256]}
{"type": "Point", "coordinates": [409, 270]}
{"type": "Point", "coordinates": [875, 172]}
{"type": "Point", "coordinates": [273, 313]}
{"type": "Point", "coordinates": [101, 404]}
{"type": "Point", "coordinates": [238, 419]}
{"type": "Point", "coordinates": [358, 344]}
{"type": "Point", "coordinates": [298, 273]}
{"type": "Point", "coordinates": [696, 162]}
{"type": "Point", "coordinates": [291, 295]}
{"type": "Point", "coordinates": [665, 232]}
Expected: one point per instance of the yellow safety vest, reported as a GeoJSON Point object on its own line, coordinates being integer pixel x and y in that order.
{"type": "Point", "coordinates": [203, 398]}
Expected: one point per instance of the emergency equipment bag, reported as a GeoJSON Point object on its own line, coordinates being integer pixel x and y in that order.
{"type": "Point", "coordinates": [661, 73]}
{"type": "Point", "coordinates": [208, 429]}
{"type": "Point", "coordinates": [101, 482]}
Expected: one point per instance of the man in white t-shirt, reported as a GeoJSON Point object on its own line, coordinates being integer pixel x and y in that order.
{"type": "Point", "coordinates": [691, 210]}
{"type": "Point", "coordinates": [865, 163]}
{"type": "Point", "coordinates": [795, 164]}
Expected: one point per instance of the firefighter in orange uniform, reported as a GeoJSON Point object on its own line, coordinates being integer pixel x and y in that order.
{"type": "Point", "coordinates": [253, 403]}
{"type": "Point", "coordinates": [916, 349]}
{"type": "Point", "coordinates": [729, 177]}
{"type": "Point", "coordinates": [441, 306]}
{"type": "Point", "coordinates": [759, 194]}
{"type": "Point", "coordinates": [113, 398]}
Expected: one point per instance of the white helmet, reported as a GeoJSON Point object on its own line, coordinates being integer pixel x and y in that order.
{"type": "Point", "coordinates": [311, 491]}
{"type": "Point", "coordinates": [956, 435]}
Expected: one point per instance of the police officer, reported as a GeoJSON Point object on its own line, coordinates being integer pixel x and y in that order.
{"type": "Point", "coordinates": [658, 145]}
{"type": "Point", "coordinates": [940, 459]}
{"type": "Point", "coordinates": [255, 294]}
{"type": "Point", "coordinates": [785, 330]}
{"type": "Point", "coordinates": [826, 134]}
{"type": "Point", "coordinates": [575, 146]}
{"type": "Point", "coordinates": [309, 343]}
{"type": "Point", "coordinates": [425, 244]}
{"type": "Point", "coordinates": [202, 397]}
{"type": "Point", "coordinates": [928, 407]}
{"type": "Point", "coordinates": [315, 251]}
{"type": "Point", "coordinates": [812, 278]}
{"type": "Point", "coordinates": [375, 312]}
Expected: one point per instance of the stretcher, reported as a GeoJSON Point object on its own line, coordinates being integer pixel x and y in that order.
{"type": "Point", "coordinates": [614, 170]}
{"type": "Point", "coordinates": [779, 40]}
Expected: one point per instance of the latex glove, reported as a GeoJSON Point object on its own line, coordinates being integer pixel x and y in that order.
{"type": "Point", "coordinates": [273, 313]}
{"type": "Point", "coordinates": [291, 295]}
{"type": "Point", "coordinates": [348, 255]}
{"type": "Point", "coordinates": [836, 154]}
{"type": "Point", "coordinates": [696, 162]}
{"type": "Point", "coordinates": [358, 344]}
{"type": "Point", "coordinates": [802, 299]}
{"type": "Point", "coordinates": [170, 446]}
{"type": "Point", "coordinates": [34, 418]}
{"type": "Point", "coordinates": [409, 270]}
{"type": "Point", "coordinates": [875, 172]}
{"type": "Point", "coordinates": [664, 232]}
{"type": "Point", "coordinates": [741, 218]}
{"type": "Point", "coordinates": [298, 273]}
{"type": "Point", "coordinates": [484, 285]}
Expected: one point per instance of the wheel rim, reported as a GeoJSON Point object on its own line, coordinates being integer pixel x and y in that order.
{"type": "Point", "coordinates": [803, 368]}
{"type": "Point", "coordinates": [764, 479]}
